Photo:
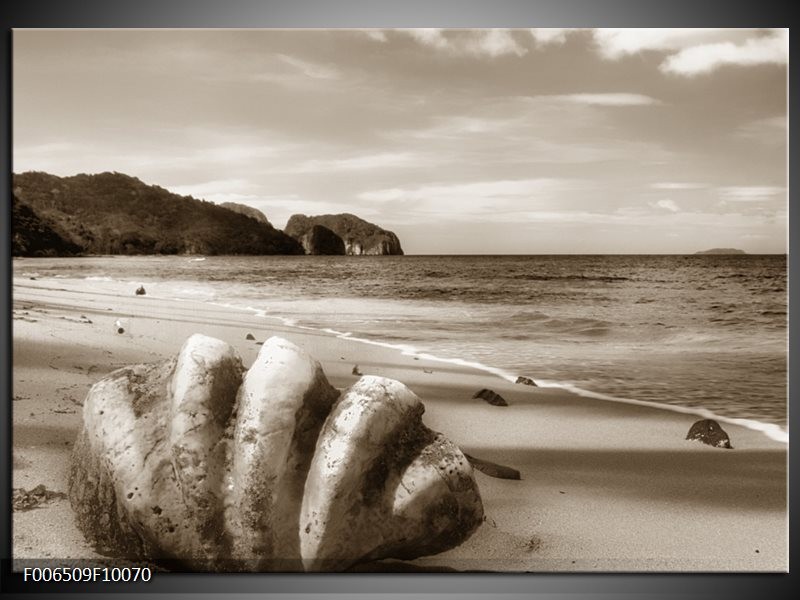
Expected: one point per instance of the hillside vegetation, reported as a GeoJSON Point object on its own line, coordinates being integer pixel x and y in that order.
{"type": "Point", "coordinates": [113, 213]}
{"type": "Point", "coordinates": [33, 237]}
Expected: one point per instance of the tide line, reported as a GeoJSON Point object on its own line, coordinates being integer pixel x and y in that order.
{"type": "Point", "coordinates": [771, 430]}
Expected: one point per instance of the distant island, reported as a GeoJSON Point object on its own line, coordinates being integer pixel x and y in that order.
{"type": "Point", "coordinates": [114, 213]}
{"type": "Point", "coordinates": [722, 251]}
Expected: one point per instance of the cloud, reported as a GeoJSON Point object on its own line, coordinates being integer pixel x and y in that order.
{"type": "Point", "coordinates": [429, 37]}
{"type": "Point", "coordinates": [750, 193]}
{"type": "Point", "coordinates": [689, 51]}
{"type": "Point", "coordinates": [616, 43]}
{"type": "Point", "coordinates": [493, 199]}
{"type": "Point", "coordinates": [140, 160]}
{"type": "Point", "coordinates": [356, 163]}
{"type": "Point", "coordinates": [697, 60]}
{"type": "Point", "coordinates": [376, 35]}
{"type": "Point", "coordinates": [668, 205]}
{"type": "Point", "coordinates": [497, 42]}
{"type": "Point", "coordinates": [217, 190]}
{"type": "Point", "coordinates": [550, 35]}
{"type": "Point", "coordinates": [678, 185]}
{"type": "Point", "coordinates": [278, 209]}
{"type": "Point", "coordinates": [312, 70]}
{"type": "Point", "coordinates": [770, 131]}
{"type": "Point", "coordinates": [475, 42]}
{"type": "Point", "coordinates": [696, 51]}
{"type": "Point", "coordinates": [608, 99]}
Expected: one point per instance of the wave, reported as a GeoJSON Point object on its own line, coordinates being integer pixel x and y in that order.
{"type": "Point", "coordinates": [578, 325]}
{"type": "Point", "coordinates": [543, 322]}
{"type": "Point", "coordinates": [603, 278]}
{"type": "Point", "coordinates": [771, 430]}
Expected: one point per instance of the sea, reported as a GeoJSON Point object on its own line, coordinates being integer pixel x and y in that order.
{"type": "Point", "coordinates": [696, 331]}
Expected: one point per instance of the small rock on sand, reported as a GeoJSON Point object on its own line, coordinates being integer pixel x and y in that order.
{"type": "Point", "coordinates": [250, 336]}
{"type": "Point", "coordinates": [356, 371]}
{"type": "Point", "coordinates": [491, 397]}
{"type": "Point", "coordinates": [23, 499]}
{"type": "Point", "coordinates": [709, 432]}
{"type": "Point", "coordinates": [525, 381]}
{"type": "Point", "coordinates": [140, 291]}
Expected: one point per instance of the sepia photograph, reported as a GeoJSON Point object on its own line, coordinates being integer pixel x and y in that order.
{"type": "Point", "coordinates": [400, 300]}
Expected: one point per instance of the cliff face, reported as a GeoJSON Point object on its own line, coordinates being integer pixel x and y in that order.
{"type": "Point", "coordinates": [359, 237]}
{"type": "Point", "coordinates": [322, 241]}
{"type": "Point", "coordinates": [247, 211]}
{"type": "Point", "coordinates": [112, 213]}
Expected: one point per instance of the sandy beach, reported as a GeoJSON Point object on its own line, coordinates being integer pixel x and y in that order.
{"type": "Point", "coordinates": [605, 486]}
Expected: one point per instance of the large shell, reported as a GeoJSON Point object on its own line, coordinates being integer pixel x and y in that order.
{"type": "Point", "coordinates": [197, 461]}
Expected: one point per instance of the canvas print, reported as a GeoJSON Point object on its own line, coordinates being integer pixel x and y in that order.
{"type": "Point", "coordinates": [373, 300]}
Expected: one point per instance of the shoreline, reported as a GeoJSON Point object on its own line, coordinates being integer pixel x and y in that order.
{"type": "Point", "coordinates": [772, 430]}
{"type": "Point", "coordinates": [605, 485]}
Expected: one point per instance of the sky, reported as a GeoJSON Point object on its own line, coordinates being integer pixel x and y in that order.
{"type": "Point", "coordinates": [487, 141]}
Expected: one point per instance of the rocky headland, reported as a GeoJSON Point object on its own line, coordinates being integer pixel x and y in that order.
{"type": "Point", "coordinates": [358, 237]}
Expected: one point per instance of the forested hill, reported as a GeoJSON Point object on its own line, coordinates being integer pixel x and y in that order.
{"type": "Point", "coordinates": [32, 237]}
{"type": "Point", "coordinates": [113, 213]}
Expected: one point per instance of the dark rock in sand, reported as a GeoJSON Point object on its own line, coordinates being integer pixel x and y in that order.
{"type": "Point", "coordinates": [526, 381]}
{"type": "Point", "coordinates": [491, 397]}
{"type": "Point", "coordinates": [250, 336]}
{"type": "Point", "coordinates": [492, 469]}
{"type": "Point", "coordinates": [22, 499]}
{"type": "Point", "coordinates": [140, 291]}
{"type": "Point", "coordinates": [356, 371]}
{"type": "Point", "coordinates": [709, 432]}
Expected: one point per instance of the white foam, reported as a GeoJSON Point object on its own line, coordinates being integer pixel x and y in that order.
{"type": "Point", "coordinates": [98, 278]}
{"type": "Point", "coordinates": [771, 430]}
{"type": "Point", "coordinates": [341, 334]}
